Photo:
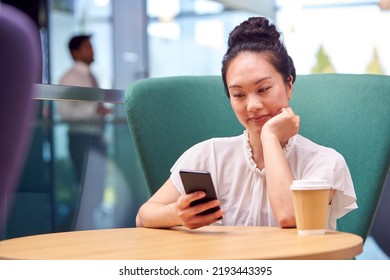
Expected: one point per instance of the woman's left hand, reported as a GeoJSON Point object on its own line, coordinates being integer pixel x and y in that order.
{"type": "Point", "coordinates": [284, 125]}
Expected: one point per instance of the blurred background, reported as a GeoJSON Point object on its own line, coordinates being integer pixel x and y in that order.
{"type": "Point", "coordinates": [154, 38]}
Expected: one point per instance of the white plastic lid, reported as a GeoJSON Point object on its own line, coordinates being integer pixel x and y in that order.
{"type": "Point", "coordinates": [310, 184]}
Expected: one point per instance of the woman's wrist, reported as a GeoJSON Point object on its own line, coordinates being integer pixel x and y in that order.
{"type": "Point", "coordinates": [268, 137]}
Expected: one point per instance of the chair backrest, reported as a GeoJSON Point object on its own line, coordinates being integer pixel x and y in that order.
{"type": "Point", "coordinates": [20, 68]}
{"type": "Point", "coordinates": [349, 113]}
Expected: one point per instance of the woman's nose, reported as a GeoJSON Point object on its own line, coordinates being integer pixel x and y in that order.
{"type": "Point", "coordinates": [255, 103]}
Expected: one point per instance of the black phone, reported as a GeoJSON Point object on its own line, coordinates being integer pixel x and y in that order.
{"type": "Point", "coordinates": [197, 180]}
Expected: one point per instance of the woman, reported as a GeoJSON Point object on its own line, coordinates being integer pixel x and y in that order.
{"type": "Point", "coordinates": [253, 172]}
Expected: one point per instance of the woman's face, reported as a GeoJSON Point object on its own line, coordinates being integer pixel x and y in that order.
{"type": "Point", "coordinates": [257, 91]}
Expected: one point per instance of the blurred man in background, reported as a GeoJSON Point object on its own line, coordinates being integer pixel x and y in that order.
{"type": "Point", "coordinates": [87, 146]}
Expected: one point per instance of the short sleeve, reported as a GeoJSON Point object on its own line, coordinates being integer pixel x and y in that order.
{"type": "Point", "coordinates": [331, 165]}
{"type": "Point", "coordinates": [344, 200]}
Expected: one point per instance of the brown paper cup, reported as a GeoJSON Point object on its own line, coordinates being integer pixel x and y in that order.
{"type": "Point", "coordinates": [310, 199]}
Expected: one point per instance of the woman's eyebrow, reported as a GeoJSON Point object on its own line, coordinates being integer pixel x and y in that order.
{"type": "Point", "coordinates": [262, 79]}
{"type": "Point", "coordinates": [255, 83]}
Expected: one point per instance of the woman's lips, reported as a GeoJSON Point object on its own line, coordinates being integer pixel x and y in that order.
{"type": "Point", "coordinates": [259, 118]}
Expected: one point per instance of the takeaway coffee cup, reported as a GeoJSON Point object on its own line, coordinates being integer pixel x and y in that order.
{"type": "Point", "coordinates": [310, 199]}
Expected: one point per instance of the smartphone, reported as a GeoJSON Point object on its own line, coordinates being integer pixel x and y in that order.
{"type": "Point", "coordinates": [196, 180]}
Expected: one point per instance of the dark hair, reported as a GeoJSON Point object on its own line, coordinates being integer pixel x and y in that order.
{"type": "Point", "coordinates": [76, 41]}
{"type": "Point", "coordinates": [258, 35]}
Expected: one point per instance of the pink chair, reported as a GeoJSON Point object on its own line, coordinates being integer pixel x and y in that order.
{"type": "Point", "coordinates": [20, 68]}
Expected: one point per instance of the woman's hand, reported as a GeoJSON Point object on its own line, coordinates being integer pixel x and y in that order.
{"type": "Point", "coordinates": [284, 125]}
{"type": "Point", "coordinates": [189, 215]}
{"type": "Point", "coordinates": [167, 208]}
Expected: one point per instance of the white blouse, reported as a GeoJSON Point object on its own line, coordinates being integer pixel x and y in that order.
{"type": "Point", "coordinates": [241, 186]}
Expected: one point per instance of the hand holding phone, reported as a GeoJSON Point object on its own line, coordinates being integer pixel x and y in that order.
{"type": "Point", "coordinates": [194, 180]}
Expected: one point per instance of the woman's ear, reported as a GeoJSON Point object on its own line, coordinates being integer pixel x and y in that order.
{"type": "Point", "coordinates": [289, 86]}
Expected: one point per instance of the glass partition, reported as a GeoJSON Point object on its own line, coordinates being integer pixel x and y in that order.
{"type": "Point", "coordinates": [77, 181]}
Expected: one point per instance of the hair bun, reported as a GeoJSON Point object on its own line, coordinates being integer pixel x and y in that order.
{"type": "Point", "coordinates": [254, 29]}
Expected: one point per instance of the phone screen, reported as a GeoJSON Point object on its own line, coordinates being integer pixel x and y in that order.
{"type": "Point", "coordinates": [195, 180]}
